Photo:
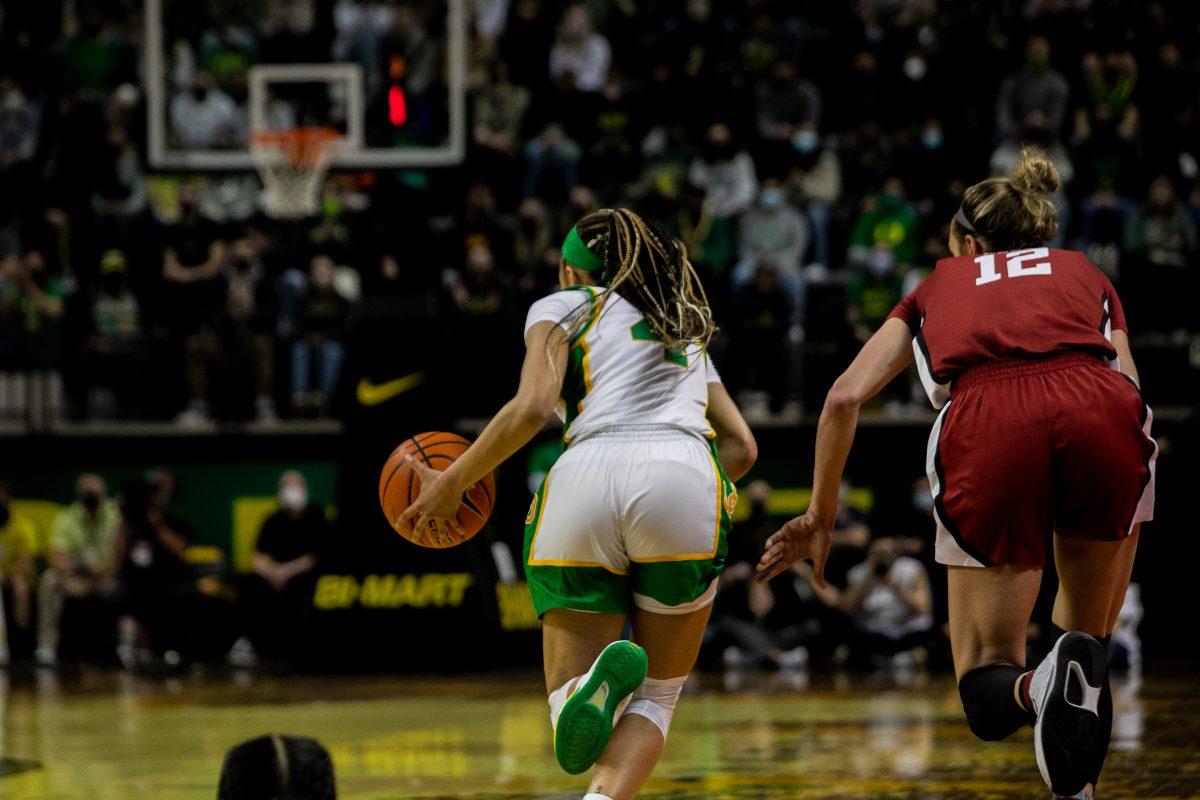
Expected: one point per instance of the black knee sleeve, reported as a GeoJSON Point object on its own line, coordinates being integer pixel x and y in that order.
{"type": "Point", "coordinates": [987, 697]}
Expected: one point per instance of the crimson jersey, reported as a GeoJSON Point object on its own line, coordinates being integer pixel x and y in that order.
{"type": "Point", "coordinates": [1022, 304]}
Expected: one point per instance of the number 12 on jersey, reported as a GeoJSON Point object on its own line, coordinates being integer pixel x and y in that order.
{"type": "Point", "coordinates": [1014, 264]}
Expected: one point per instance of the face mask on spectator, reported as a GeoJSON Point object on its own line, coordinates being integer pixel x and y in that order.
{"type": "Point", "coordinates": [90, 499]}
{"type": "Point", "coordinates": [880, 262]}
{"type": "Point", "coordinates": [771, 198]}
{"type": "Point", "coordinates": [293, 497]}
{"type": "Point", "coordinates": [804, 141]}
{"type": "Point", "coordinates": [931, 138]}
{"type": "Point", "coordinates": [914, 68]}
{"type": "Point", "coordinates": [923, 501]}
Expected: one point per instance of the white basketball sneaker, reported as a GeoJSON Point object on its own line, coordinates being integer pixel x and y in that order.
{"type": "Point", "coordinates": [1065, 693]}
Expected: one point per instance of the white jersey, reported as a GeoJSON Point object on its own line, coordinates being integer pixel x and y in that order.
{"type": "Point", "coordinates": [619, 374]}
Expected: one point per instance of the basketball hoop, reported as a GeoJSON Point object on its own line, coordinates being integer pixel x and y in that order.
{"type": "Point", "coordinates": [292, 164]}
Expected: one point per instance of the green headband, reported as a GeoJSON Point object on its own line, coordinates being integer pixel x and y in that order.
{"type": "Point", "coordinates": [576, 253]}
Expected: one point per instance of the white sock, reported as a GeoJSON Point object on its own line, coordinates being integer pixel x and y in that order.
{"type": "Point", "coordinates": [559, 697]}
{"type": "Point", "coordinates": [594, 796]}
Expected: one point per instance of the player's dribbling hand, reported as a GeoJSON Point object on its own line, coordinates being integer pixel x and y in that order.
{"type": "Point", "coordinates": [435, 511]}
{"type": "Point", "coordinates": [803, 538]}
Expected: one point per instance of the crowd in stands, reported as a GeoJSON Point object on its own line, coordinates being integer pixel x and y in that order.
{"type": "Point", "coordinates": [810, 155]}
{"type": "Point", "coordinates": [876, 609]}
{"type": "Point", "coordinates": [120, 579]}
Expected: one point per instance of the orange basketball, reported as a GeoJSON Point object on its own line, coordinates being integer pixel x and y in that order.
{"type": "Point", "coordinates": [399, 486]}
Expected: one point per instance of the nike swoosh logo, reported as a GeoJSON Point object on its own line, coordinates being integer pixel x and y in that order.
{"type": "Point", "coordinates": [373, 394]}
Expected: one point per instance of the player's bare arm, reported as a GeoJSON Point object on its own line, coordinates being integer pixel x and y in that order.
{"type": "Point", "coordinates": [736, 448]}
{"type": "Point", "coordinates": [1120, 343]}
{"type": "Point", "coordinates": [882, 358]}
{"type": "Point", "coordinates": [514, 425]}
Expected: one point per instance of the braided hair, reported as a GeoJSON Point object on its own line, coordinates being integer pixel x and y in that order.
{"type": "Point", "coordinates": [651, 270]}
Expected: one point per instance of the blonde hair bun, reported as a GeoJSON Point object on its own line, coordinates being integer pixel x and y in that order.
{"type": "Point", "coordinates": [1035, 173]}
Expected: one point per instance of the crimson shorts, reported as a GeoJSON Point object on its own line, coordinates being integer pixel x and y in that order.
{"type": "Point", "coordinates": [1024, 449]}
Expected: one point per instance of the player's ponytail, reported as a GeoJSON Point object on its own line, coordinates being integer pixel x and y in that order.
{"type": "Point", "coordinates": [651, 270]}
{"type": "Point", "coordinates": [1015, 211]}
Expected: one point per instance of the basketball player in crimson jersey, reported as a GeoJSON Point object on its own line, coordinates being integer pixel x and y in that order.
{"type": "Point", "coordinates": [1042, 431]}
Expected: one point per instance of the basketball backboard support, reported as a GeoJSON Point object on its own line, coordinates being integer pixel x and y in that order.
{"type": "Point", "coordinates": [352, 152]}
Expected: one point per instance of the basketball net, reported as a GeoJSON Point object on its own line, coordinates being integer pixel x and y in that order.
{"type": "Point", "coordinates": [292, 164]}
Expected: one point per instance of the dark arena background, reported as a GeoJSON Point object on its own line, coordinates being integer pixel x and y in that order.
{"type": "Point", "coordinates": [247, 247]}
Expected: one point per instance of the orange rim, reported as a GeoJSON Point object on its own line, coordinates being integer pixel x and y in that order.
{"type": "Point", "coordinates": [300, 146]}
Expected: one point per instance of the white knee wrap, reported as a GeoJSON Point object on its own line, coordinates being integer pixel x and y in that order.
{"type": "Point", "coordinates": [655, 700]}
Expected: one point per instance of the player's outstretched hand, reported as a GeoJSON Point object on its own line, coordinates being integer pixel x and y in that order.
{"type": "Point", "coordinates": [435, 511]}
{"type": "Point", "coordinates": [804, 538]}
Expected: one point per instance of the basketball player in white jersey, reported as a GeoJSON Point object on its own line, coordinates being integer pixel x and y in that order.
{"type": "Point", "coordinates": [630, 524]}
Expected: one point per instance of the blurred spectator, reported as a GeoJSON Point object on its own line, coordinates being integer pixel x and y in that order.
{"type": "Point", "coordinates": [1163, 244]}
{"type": "Point", "coordinates": [164, 491]}
{"type": "Point", "coordinates": [531, 237]}
{"type": "Point", "coordinates": [851, 535]}
{"type": "Point", "coordinates": [96, 55]}
{"type": "Point", "coordinates": [774, 234]}
{"type": "Point", "coordinates": [483, 226]}
{"type": "Point", "coordinates": [580, 57]}
{"type": "Point", "coordinates": [756, 624]}
{"type": "Point", "coordinates": [121, 193]}
{"type": "Point", "coordinates": [916, 535]}
{"type": "Point", "coordinates": [1110, 82]}
{"type": "Point", "coordinates": [83, 559]}
{"type": "Point", "coordinates": [193, 255]}
{"type": "Point", "coordinates": [274, 596]}
{"type": "Point", "coordinates": [478, 289]}
{"type": "Point", "coordinates": [552, 160]}
{"type": "Point", "coordinates": [887, 598]}
{"type": "Point", "coordinates": [204, 117]}
{"type": "Point", "coordinates": [815, 185]}
{"type": "Point", "coordinates": [31, 316]}
{"type": "Point", "coordinates": [237, 336]}
{"type": "Point", "coordinates": [711, 240]}
{"type": "Point", "coordinates": [666, 158]}
{"type": "Point", "coordinates": [499, 110]}
{"type": "Point", "coordinates": [322, 319]}
{"type": "Point", "coordinates": [525, 44]}
{"type": "Point", "coordinates": [789, 109]}
{"type": "Point", "coordinates": [19, 125]}
{"type": "Point", "coordinates": [31, 306]}
{"type": "Point", "coordinates": [611, 159]}
{"type": "Point", "coordinates": [725, 172]}
{"type": "Point", "coordinates": [873, 291]}
{"type": "Point", "coordinates": [1037, 87]}
{"type": "Point", "coordinates": [155, 578]}
{"type": "Point", "coordinates": [115, 352]}
{"type": "Point", "coordinates": [18, 548]}
{"type": "Point", "coordinates": [759, 326]}
{"type": "Point", "coordinates": [887, 224]}
{"type": "Point", "coordinates": [1033, 135]}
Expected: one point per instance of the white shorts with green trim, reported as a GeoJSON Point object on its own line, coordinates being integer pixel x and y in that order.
{"type": "Point", "coordinates": [627, 516]}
